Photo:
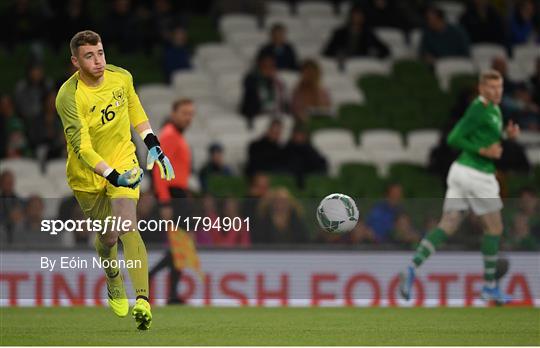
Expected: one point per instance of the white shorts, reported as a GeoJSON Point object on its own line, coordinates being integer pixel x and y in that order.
{"type": "Point", "coordinates": [469, 188]}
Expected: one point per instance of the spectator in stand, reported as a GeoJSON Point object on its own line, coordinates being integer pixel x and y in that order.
{"type": "Point", "coordinates": [266, 154]}
{"type": "Point", "coordinates": [535, 83]}
{"type": "Point", "coordinates": [263, 91]}
{"type": "Point", "coordinates": [500, 64]}
{"type": "Point", "coordinates": [229, 236]}
{"type": "Point", "coordinates": [520, 107]}
{"type": "Point", "coordinates": [309, 96]}
{"type": "Point", "coordinates": [10, 205]}
{"type": "Point", "coordinates": [52, 133]}
{"type": "Point", "coordinates": [483, 23]}
{"type": "Point", "coordinates": [162, 18]}
{"type": "Point", "coordinates": [14, 140]}
{"type": "Point", "coordinates": [383, 216]}
{"type": "Point", "coordinates": [404, 231]}
{"type": "Point", "coordinates": [176, 54]}
{"type": "Point", "coordinates": [70, 210]}
{"type": "Point", "coordinates": [121, 27]}
{"type": "Point", "coordinates": [259, 188]}
{"type": "Point", "coordinates": [281, 220]}
{"type": "Point", "coordinates": [278, 47]}
{"type": "Point", "coordinates": [301, 157]}
{"type": "Point", "coordinates": [524, 24]}
{"type": "Point", "coordinates": [30, 93]}
{"type": "Point", "coordinates": [525, 230]}
{"type": "Point", "coordinates": [215, 165]}
{"type": "Point", "coordinates": [441, 39]}
{"type": "Point", "coordinates": [174, 196]}
{"type": "Point", "coordinates": [204, 235]}
{"type": "Point", "coordinates": [355, 39]}
{"type": "Point", "coordinates": [27, 232]}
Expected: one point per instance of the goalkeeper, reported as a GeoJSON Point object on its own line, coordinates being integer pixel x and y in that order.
{"type": "Point", "coordinates": [97, 106]}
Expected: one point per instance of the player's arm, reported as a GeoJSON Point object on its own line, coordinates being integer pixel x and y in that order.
{"type": "Point", "coordinates": [459, 136]}
{"type": "Point", "coordinates": [77, 135]}
{"type": "Point", "coordinates": [139, 121]}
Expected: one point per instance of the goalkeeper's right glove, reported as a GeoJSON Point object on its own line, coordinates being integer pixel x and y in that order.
{"type": "Point", "coordinates": [132, 178]}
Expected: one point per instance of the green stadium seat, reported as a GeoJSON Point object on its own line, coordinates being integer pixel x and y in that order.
{"type": "Point", "coordinates": [319, 186]}
{"type": "Point", "coordinates": [417, 182]}
{"type": "Point", "coordinates": [285, 181]}
{"type": "Point", "coordinates": [461, 82]}
{"type": "Point", "coordinates": [316, 123]}
{"type": "Point", "coordinates": [359, 117]}
{"type": "Point", "coordinates": [361, 180]}
{"type": "Point", "coordinates": [226, 186]}
{"type": "Point", "coordinates": [516, 181]}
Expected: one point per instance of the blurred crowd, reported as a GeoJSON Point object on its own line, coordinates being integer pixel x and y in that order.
{"type": "Point", "coordinates": [30, 126]}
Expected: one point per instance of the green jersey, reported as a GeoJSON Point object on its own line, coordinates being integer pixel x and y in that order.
{"type": "Point", "coordinates": [480, 127]}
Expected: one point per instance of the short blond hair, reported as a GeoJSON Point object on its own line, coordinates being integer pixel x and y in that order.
{"type": "Point", "coordinates": [489, 75]}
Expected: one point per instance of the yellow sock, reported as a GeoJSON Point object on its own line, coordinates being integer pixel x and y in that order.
{"type": "Point", "coordinates": [109, 254]}
{"type": "Point", "coordinates": [135, 253]}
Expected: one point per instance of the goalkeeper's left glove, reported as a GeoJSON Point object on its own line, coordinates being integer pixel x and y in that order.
{"type": "Point", "coordinates": [156, 155]}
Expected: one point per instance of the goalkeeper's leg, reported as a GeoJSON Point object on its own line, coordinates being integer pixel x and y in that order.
{"type": "Point", "coordinates": [135, 254]}
{"type": "Point", "coordinates": [96, 205]}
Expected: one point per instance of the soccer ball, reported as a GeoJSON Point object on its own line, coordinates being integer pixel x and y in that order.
{"type": "Point", "coordinates": [337, 213]}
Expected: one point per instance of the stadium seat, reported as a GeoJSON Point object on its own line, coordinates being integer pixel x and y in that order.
{"type": "Point", "coordinates": [236, 148]}
{"type": "Point", "coordinates": [336, 158]}
{"type": "Point", "coordinates": [333, 139]}
{"type": "Point", "coordinates": [484, 53]}
{"type": "Point", "coordinates": [227, 125]}
{"type": "Point", "coordinates": [445, 68]}
{"type": "Point", "coordinates": [382, 147]}
{"type": "Point", "coordinates": [342, 90]}
{"type": "Point", "coordinates": [156, 93]}
{"type": "Point", "coordinates": [285, 181]}
{"type": "Point", "coordinates": [277, 8]}
{"type": "Point", "coordinates": [307, 49]}
{"type": "Point", "coordinates": [359, 117]}
{"type": "Point", "coordinates": [533, 154]}
{"type": "Point", "coordinates": [406, 69]}
{"type": "Point", "coordinates": [324, 26]}
{"type": "Point", "coordinates": [307, 9]}
{"type": "Point", "coordinates": [420, 143]}
{"type": "Point", "coordinates": [416, 181]}
{"type": "Point", "coordinates": [241, 38]}
{"type": "Point", "coordinates": [514, 182]}
{"type": "Point", "coordinates": [319, 186]}
{"type": "Point", "coordinates": [294, 25]}
{"type": "Point", "coordinates": [20, 167]}
{"type": "Point", "coordinates": [415, 39]}
{"type": "Point", "coordinates": [529, 138]}
{"type": "Point", "coordinates": [381, 139]}
{"type": "Point", "coordinates": [361, 180]}
{"type": "Point", "coordinates": [359, 67]}
{"type": "Point", "coordinates": [289, 78]}
{"type": "Point", "coordinates": [210, 51]}
{"type": "Point", "coordinates": [461, 82]}
{"type": "Point", "coordinates": [526, 56]}
{"type": "Point", "coordinates": [323, 122]}
{"type": "Point", "coordinates": [237, 22]}
{"type": "Point", "coordinates": [452, 10]}
{"type": "Point", "coordinates": [227, 186]}
{"type": "Point", "coordinates": [516, 72]}
{"type": "Point", "coordinates": [328, 66]}
{"type": "Point", "coordinates": [158, 113]}
{"type": "Point", "coordinates": [394, 40]}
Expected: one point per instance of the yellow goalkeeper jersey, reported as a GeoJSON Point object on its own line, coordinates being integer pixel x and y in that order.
{"type": "Point", "coordinates": [96, 123]}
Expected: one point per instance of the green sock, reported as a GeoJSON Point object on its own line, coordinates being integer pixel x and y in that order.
{"type": "Point", "coordinates": [109, 254]}
{"type": "Point", "coordinates": [428, 245]}
{"type": "Point", "coordinates": [135, 251]}
{"type": "Point", "coordinates": [490, 249]}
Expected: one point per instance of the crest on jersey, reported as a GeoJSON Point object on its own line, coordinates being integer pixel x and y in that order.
{"type": "Point", "coordinates": [119, 95]}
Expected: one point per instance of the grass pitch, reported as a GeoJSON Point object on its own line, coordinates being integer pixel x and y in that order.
{"type": "Point", "coordinates": [176, 325]}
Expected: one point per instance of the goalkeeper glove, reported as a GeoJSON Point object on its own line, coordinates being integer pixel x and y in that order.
{"type": "Point", "coordinates": [156, 155]}
{"type": "Point", "coordinates": [132, 178]}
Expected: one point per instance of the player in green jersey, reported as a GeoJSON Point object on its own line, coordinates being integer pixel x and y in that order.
{"type": "Point", "coordinates": [472, 184]}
